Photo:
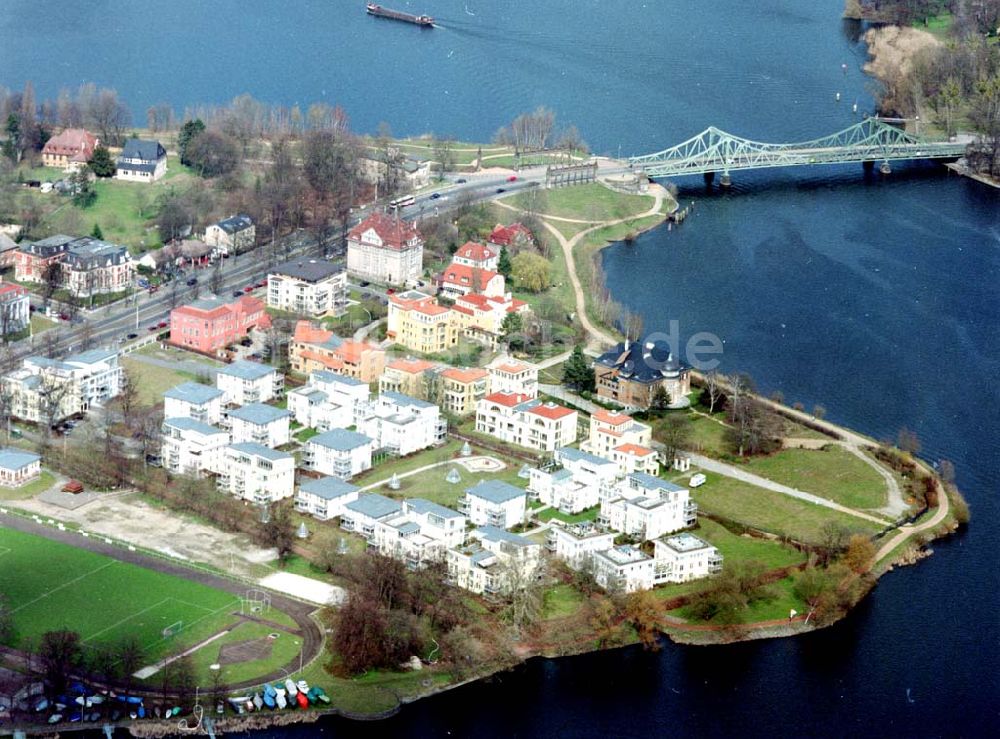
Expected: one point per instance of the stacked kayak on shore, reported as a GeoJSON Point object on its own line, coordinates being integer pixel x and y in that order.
{"type": "Point", "coordinates": [289, 694]}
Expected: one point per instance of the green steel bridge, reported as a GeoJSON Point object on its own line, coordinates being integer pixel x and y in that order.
{"type": "Point", "coordinates": [872, 140]}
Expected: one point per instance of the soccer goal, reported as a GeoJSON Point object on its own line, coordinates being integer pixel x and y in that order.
{"type": "Point", "coordinates": [173, 630]}
{"type": "Point", "coordinates": [255, 602]}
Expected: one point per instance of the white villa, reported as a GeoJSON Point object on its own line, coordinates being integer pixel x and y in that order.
{"type": "Point", "coordinates": [245, 382]}
{"type": "Point", "coordinates": [517, 419]}
{"type": "Point", "coordinates": [191, 447]}
{"type": "Point", "coordinates": [421, 532]}
{"type": "Point", "coordinates": [361, 515]}
{"type": "Point", "coordinates": [256, 473]}
{"type": "Point", "coordinates": [192, 400]}
{"type": "Point", "coordinates": [18, 467]}
{"type": "Point", "coordinates": [494, 503]}
{"type": "Point", "coordinates": [648, 507]}
{"type": "Point", "coordinates": [259, 423]}
{"type": "Point", "coordinates": [402, 425]}
{"type": "Point", "coordinates": [513, 377]}
{"type": "Point", "coordinates": [325, 497]}
{"type": "Point", "coordinates": [576, 544]}
{"type": "Point", "coordinates": [386, 249]}
{"type": "Point", "coordinates": [329, 401]}
{"type": "Point", "coordinates": [685, 557]}
{"type": "Point", "coordinates": [310, 287]}
{"type": "Point", "coordinates": [623, 440]}
{"type": "Point", "coordinates": [339, 453]}
{"type": "Point", "coordinates": [624, 569]}
{"type": "Point", "coordinates": [494, 562]}
{"type": "Point", "coordinates": [573, 481]}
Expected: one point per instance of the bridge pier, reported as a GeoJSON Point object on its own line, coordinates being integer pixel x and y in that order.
{"type": "Point", "coordinates": [709, 177]}
{"type": "Point", "coordinates": [725, 180]}
{"type": "Point", "coordinates": [885, 168]}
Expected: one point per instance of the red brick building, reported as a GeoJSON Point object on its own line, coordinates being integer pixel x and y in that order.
{"type": "Point", "coordinates": [209, 325]}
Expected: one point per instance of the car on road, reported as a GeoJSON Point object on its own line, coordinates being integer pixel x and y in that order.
{"type": "Point", "coordinates": [461, 181]}
{"type": "Point", "coordinates": [512, 178]}
{"type": "Point", "coordinates": [132, 336]}
{"type": "Point", "coordinates": [390, 290]}
{"type": "Point", "coordinates": [193, 281]}
{"type": "Point", "coordinates": [153, 327]}
{"type": "Point", "coordinates": [364, 283]}
{"type": "Point", "coordinates": [153, 289]}
{"type": "Point", "coordinates": [162, 324]}
{"type": "Point", "coordinates": [500, 190]}
{"type": "Point", "coordinates": [435, 195]}
{"type": "Point", "coordinates": [248, 289]}
{"type": "Point", "coordinates": [237, 294]}
{"type": "Point", "coordinates": [63, 316]}
{"type": "Point", "coordinates": [262, 283]}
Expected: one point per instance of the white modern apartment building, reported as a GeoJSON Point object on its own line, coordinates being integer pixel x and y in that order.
{"type": "Point", "coordinates": [338, 453]}
{"type": "Point", "coordinates": [308, 287]}
{"type": "Point", "coordinates": [259, 423]}
{"type": "Point", "coordinates": [623, 569]}
{"type": "Point", "coordinates": [44, 389]}
{"type": "Point", "coordinates": [494, 562]}
{"type": "Point", "coordinates": [572, 481]}
{"type": "Point", "coordinates": [517, 419]}
{"type": "Point", "coordinates": [191, 447]}
{"type": "Point", "coordinates": [256, 473]}
{"type": "Point", "coordinates": [421, 532]}
{"type": "Point", "coordinates": [625, 441]}
{"type": "Point", "coordinates": [648, 507]}
{"type": "Point", "coordinates": [494, 503]}
{"type": "Point", "coordinates": [362, 515]}
{"type": "Point", "coordinates": [325, 497]}
{"type": "Point", "coordinates": [513, 377]}
{"type": "Point", "coordinates": [245, 382]}
{"type": "Point", "coordinates": [193, 400]}
{"type": "Point", "coordinates": [576, 544]}
{"type": "Point", "coordinates": [328, 401]}
{"type": "Point", "coordinates": [402, 425]}
{"type": "Point", "coordinates": [684, 557]}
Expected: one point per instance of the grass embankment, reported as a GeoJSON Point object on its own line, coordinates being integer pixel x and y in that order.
{"type": "Point", "coordinates": [153, 380]}
{"type": "Point", "coordinates": [431, 484]}
{"type": "Point", "coordinates": [29, 490]}
{"type": "Point", "coordinates": [772, 512]}
{"type": "Point", "coordinates": [592, 203]}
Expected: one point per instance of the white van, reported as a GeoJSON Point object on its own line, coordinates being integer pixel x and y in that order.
{"type": "Point", "coordinates": [697, 480]}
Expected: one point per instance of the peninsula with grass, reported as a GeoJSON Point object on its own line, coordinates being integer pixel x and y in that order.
{"type": "Point", "coordinates": [408, 445]}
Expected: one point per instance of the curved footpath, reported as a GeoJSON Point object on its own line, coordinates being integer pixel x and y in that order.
{"type": "Point", "coordinates": [301, 613]}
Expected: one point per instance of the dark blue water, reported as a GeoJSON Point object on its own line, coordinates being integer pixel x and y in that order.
{"type": "Point", "coordinates": [876, 298]}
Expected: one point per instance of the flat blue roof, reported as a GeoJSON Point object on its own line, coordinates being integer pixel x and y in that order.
{"type": "Point", "coordinates": [492, 533]}
{"type": "Point", "coordinates": [258, 413]}
{"type": "Point", "coordinates": [405, 400]}
{"type": "Point", "coordinates": [495, 491]}
{"type": "Point", "coordinates": [374, 505]}
{"type": "Point", "coordinates": [565, 452]}
{"type": "Point", "coordinates": [341, 440]}
{"type": "Point", "coordinates": [259, 450]}
{"type": "Point", "coordinates": [420, 505]}
{"type": "Point", "coordinates": [189, 424]}
{"type": "Point", "coordinates": [15, 459]}
{"type": "Point", "coordinates": [333, 377]}
{"type": "Point", "coordinates": [328, 488]}
{"type": "Point", "coordinates": [193, 392]}
{"type": "Point", "coordinates": [246, 370]}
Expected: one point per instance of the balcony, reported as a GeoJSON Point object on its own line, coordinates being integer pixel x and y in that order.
{"type": "Point", "coordinates": [550, 542]}
{"type": "Point", "coordinates": [463, 506]}
{"type": "Point", "coordinates": [496, 519]}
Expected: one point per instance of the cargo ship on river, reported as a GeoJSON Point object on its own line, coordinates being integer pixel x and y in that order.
{"type": "Point", "coordinates": [420, 20]}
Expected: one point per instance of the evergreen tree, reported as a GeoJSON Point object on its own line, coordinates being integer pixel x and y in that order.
{"type": "Point", "coordinates": [83, 194]}
{"type": "Point", "coordinates": [577, 373]}
{"type": "Point", "coordinates": [102, 164]}
{"type": "Point", "coordinates": [661, 399]}
{"type": "Point", "coordinates": [511, 329]}
{"type": "Point", "coordinates": [504, 265]}
{"type": "Point", "coordinates": [188, 131]}
{"type": "Point", "coordinates": [97, 233]}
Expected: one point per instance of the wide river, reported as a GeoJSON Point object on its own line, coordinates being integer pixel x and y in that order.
{"type": "Point", "coordinates": [878, 299]}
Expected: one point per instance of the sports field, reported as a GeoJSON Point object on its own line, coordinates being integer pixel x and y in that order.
{"type": "Point", "coordinates": [50, 586]}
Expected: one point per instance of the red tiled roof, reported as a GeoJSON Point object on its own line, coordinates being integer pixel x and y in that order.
{"type": "Point", "coordinates": [393, 231]}
{"type": "Point", "coordinates": [475, 252]}
{"type": "Point", "coordinates": [551, 411]}
{"type": "Point", "coordinates": [634, 450]}
{"type": "Point", "coordinates": [330, 362]}
{"type": "Point", "coordinates": [308, 333]}
{"type": "Point", "coordinates": [469, 374]}
{"type": "Point", "coordinates": [615, 419]}
{"type": "Point", "coordinates": [463, 276]}
{"type": "Point", "coordinates": [70, 142]}
{"type": "Point", "coordinates": [410, 364]}
{"type": "Point", "coordinates": [8, 288]}
{"type": "Point", "coordinates": [506, 399]}
{"type": "Point", "coordinates": [505, 235]}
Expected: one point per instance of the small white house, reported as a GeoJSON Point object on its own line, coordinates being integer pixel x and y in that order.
{"type": "Point", "coordinates": [190, 447]}
{"type": "Point", "coordinates": [685, 557]}
{"type": "Point", "coordinates": [260, 423]}
{"type": "Point", "coordinates": [256, 473]}
{"type": "Point", "coordinates": [646, 506]}
{"type": "Point", "coordinates": [339, 453]}
{"type": "Point", "coordinates": [361, 515]}
{"type": "Point", "coordinates": [245, 382]}
{"type": "Point", "coordinates": [18, 467]}
{"type": "Point", "coordinates": [576, 544]}
{"type": "Point", "coordinates": [420, 533]}
{"type": "Point", "coordinates": [233, 235]}
{"type": "Point", "coordinates": [325, 498]}
{"type": "Point", "coordinates": [623, 569]}
{"type": "Point", "coordinates": [494, 562]}
{"type": "Point", "coordinates": [494, 503]}
{"type": "Point", "coordinates": [141, 160]}
{"type": "Point", "coordinates": [573, 481]}
{"type": "Point", "coordinates": [402, 425]}
{"type": "Point", "coordinates": [193, 400]}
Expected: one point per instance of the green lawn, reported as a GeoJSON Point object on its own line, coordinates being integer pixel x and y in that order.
{"type": "Point", "coordinates": [51, 585]}
{"type": "Point", "coordinates": [306, 434]}
{"type": "Point", "coordinates": [431, 484]}
{"type": "Point", "coordinates": [586, 515]}
{"type": "Point", "coordinates": [587, 202]}
{"type": "Point", "coordinates": [374, 691]}
{"type": "Point", "coordinates": [778, 607]}
{"type": "Point", "coordinates": [771, 511]}
{"type": "Point", "coordinates": [284, 648]}
{"type": "Point", "coordinates": [707, 436]}
{"type": "Point", "coordinates": [734, 548]}
{"type": "Point", "coordinates": [832, 473]}
{"type": "Point", "coordinates": [40, 323]}
{"type": "Point", "coordinates": [561, 600]}
{"type": "Point", "coordinates": [33, 488]}
{"type": "Point", "coordinates": [153, 380]}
